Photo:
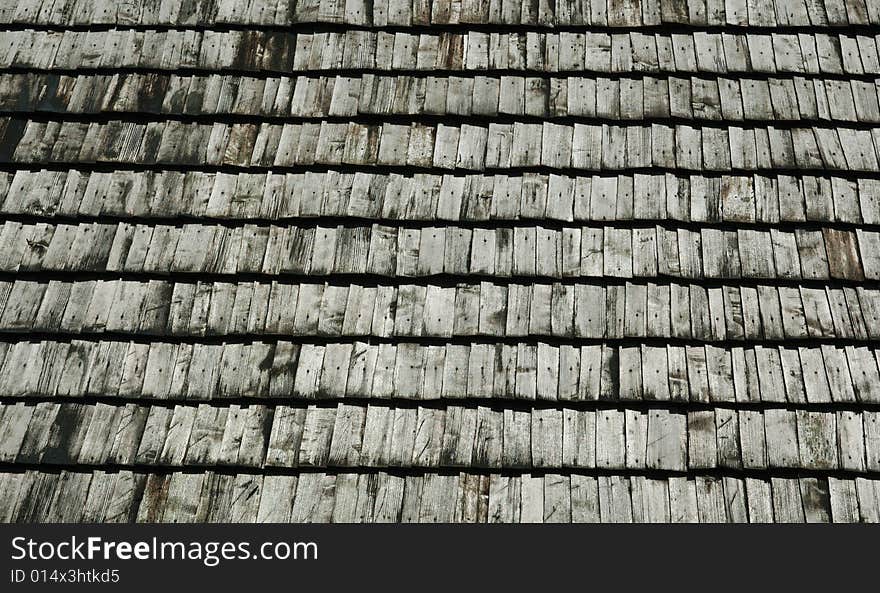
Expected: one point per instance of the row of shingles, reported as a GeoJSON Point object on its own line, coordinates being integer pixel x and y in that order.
{"type": "Point", "coordinates": [406, 13]}
{"type": "Point", "coordinates": [383, 251]}
{"type": "Point", "coordinates": [496, 146]}
{"type": "Point", "coordinates": [425, 197]}
{"type": "Point", "coordinates": [536, 52]}
{"type": "Point", "coordinates": [432, 437]}
{"type": "Point", "coordinates": [653, 98]}
{"type": "Point", "coordinates": [729, 313]}
{"type": "Point", "coordinates": [125, 496]}
{"type": "Point", "coordinates": [528, 372]}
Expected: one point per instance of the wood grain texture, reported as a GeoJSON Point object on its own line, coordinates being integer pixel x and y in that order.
{"type": "Point", "coordinates": [543, 262]}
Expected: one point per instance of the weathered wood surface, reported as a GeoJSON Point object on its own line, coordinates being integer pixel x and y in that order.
{"type": "Point", "coordinates": [83, 496]}
{"type": "Point", "coordinates": [440, 262]}
{"type": "Point", "coordinates": [279, 369]}
{"type": "Point", "coordinates": [739, 99]}
{"type": "Point", "coordinates": [561, 310]}
{"type": "Point", "coordinates": [467, 197]}
{"type": "Point", "coordinates": [344, 435]}
{"type": "Point", "coordinates": [496, 146]}
{"type": "Point", "coordinates": [820, 52]}
{"type": "Point", "coordinates": [625, 251]}
{"type": "Point", "coordinates": [824, 14]}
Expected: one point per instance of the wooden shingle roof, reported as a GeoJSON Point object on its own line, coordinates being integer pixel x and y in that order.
{"type": "Point", "coordinates": [457, 261]}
